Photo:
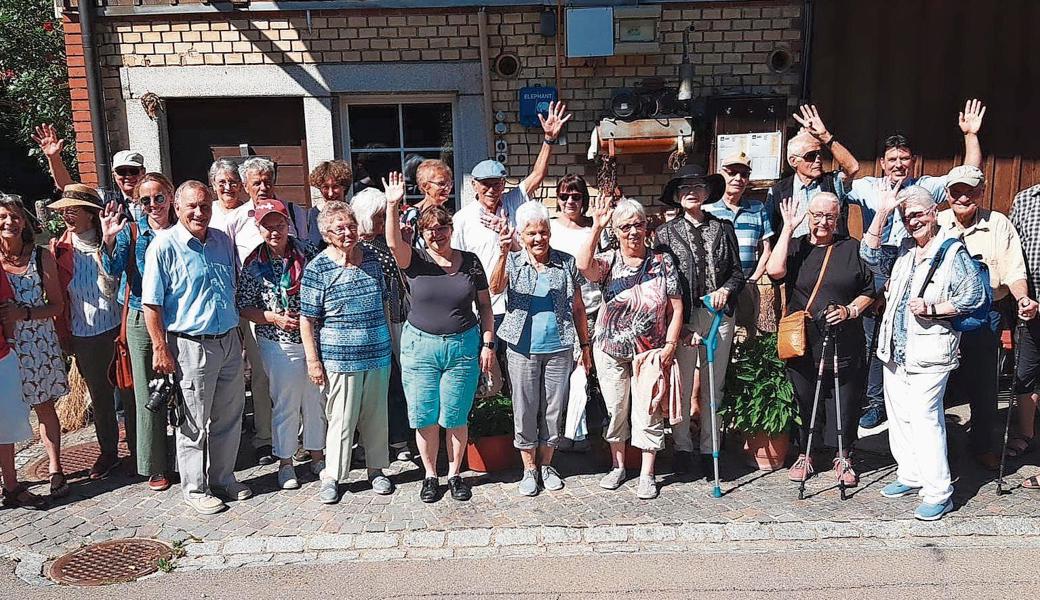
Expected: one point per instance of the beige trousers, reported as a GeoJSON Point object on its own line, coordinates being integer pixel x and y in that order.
{"type": "Point", "coordinates": [694, 357]}
{"type": "Point", "coordinates": [356, 401]}
{"type": "Point", "coordinates": [629, 417]}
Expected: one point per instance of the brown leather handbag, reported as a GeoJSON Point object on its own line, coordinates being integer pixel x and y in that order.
{"type": "Point", "coordinates": [790, 330]}
{"type": "Point", "coordinates": [120, 373]}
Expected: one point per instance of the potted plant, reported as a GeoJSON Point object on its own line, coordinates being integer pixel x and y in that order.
{"type": "Point", "coordinates": [490, 446]}
{"type": "Point", "coordinates": [760, 401]}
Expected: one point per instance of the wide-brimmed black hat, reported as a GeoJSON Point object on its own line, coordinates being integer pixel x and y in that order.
{"type": "Point", "coordinates": [716, 184]}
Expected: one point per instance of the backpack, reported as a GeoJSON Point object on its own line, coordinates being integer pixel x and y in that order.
{"type": "Point", "coordinates": [979, 317]}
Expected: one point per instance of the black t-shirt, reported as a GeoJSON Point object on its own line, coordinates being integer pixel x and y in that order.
{"type": "Point", "coordinates": [847, 277]}
{"type": "Point", "coordinates": [442, 304]}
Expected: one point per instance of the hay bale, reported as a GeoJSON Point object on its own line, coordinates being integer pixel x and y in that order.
{"type": "Point", "coordinates": [74, 407]}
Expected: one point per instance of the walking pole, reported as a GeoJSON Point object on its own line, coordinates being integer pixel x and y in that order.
{"type": "Point", "coordinates": [711, 342]}
{"type": "Point", "coordinates": [843, 461]}
{"type": "Point", "coordinates": [1020, 326]}
{"type": "Point", "coordinates": [812, 419]}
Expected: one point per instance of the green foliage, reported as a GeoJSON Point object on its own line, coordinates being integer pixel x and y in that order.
{"type": "Point", "coordinates": [55, 225]}
{"type": "Point", "coordinates": [34, 85]}
{"type": "Point", "coordinates": [759, 397]}
{"type": "Point", "coordinates": [491, 416]}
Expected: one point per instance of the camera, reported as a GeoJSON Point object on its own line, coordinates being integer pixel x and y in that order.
{"type": "Point", "coordinates": [160, 393]}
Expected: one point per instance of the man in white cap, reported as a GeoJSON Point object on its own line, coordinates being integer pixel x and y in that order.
{"type": "Point", "coordinates": [477, 225]}
{"type": "Point", "coordinates": [127, 169]}
{"type": "Point", "coordinates": [751, 221]}
{"type": "Point", "coordinates": [991, 238]}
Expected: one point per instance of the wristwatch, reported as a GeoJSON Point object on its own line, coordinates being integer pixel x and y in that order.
{"type": "Point", "coordinates": [551, 142]}
{"type": "Point", "coordinates": [488, 345]}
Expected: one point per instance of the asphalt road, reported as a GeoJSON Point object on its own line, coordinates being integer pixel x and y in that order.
{"type": "Point", "coordinates": [845, 570]}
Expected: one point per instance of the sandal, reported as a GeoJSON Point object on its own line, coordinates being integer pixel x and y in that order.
{"type": "Point", "coordinates": [22, 497]}
{"type": "Point", "coordinates": [1020, 445]}
{"type": "Point", "coordinates": [1031, 483]}
{"type": "Point", "coordinates": [59, 485]}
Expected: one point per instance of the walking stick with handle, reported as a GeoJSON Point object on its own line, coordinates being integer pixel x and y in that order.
{"type": "Point", "coordinates": [711, 342]}
{"type": "Point", "coordinates": [1020, 326]}
{"type": "Point", "coordinates": [844, 463]}
{"type": "Point", "coordinates": [812, 418]}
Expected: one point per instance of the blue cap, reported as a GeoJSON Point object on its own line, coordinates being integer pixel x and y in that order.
{"type": "Point", "coordinates": [489, 169]}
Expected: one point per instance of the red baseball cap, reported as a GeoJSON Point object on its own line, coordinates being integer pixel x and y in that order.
{"type": "Point", "coordinates": [265, 207]}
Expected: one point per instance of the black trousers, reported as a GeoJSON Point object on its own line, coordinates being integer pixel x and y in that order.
{"type": "Point", "coordinates": [975, 382]}
{"type": "Point", "coordinates": [802, 372]}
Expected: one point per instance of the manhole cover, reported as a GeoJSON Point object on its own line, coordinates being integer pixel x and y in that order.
{"type": "Point", "coordinates": [114, 561]}
{"type": "Point", "coordinates": [76, 460]}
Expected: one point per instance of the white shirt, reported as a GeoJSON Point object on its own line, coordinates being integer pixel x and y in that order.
{"type": "Point", "coordinates": [92, 313]}
{"type": "Point", "coordinates": [472, 236]}
{"type": "Point", "coordinates": [572, 241]}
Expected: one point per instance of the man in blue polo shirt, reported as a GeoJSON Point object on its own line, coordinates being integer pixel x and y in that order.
{"type": "Point", "coordinates": [751, 222]}
{"type": "Point", "coordinates": [188, 293]}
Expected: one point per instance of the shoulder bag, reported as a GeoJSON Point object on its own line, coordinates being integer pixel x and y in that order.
{"type": "Point", "coordinates": [120, 373]}
{"type": "Point", "coordinates": [790, 330]}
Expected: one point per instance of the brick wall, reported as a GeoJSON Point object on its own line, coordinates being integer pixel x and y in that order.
{"type": "Point", "coordinates": [731, 43]}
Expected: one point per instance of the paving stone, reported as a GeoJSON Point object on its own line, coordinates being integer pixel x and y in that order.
{"type": "Point", "coordinates": [747, 531]}
{"type": "Point", "coordinates": [381, 554]}
{"type": "Point", "coordinates": [830, 529]}
{"type": "Point", "coordinates": [469, 538]}
{"type": "Point", "coordinates": [429, 553]}
{"type": "Point", "coordinates": [607, 534]}
{"type": "Point", "coordinates": [701, 532]}
{"type": "Point", "coordinates": [376, 540]}
{"type": "Point", "coordinates": [336, 556]}
{"type": "Point", "coordinates": [424, 539]}
{"type": "Point", "coordinates": [792, 531]}
{"type": "Point", "coordinates": [560, 535]}
{"type": "Point", "coordinates": [516, 537]}
{"type": "Point", "coordinates": [653, 533]}
{"type": "Point", "coordinates": [244, 546]}
{"type": "Point", "coordinates": [284, 544]}
{"type": "Point", "coordinates": [203, 548]}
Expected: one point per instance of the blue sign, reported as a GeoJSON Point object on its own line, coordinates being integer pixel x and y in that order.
{"type": "Point", "coordinates": [535, 100]}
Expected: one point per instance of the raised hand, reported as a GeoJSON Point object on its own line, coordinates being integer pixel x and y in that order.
{"type": "Point", "coordinates": [394, 190]}
{"type": "Point", "coordinates": [970, 121]}
{"type": "Point", "coordinates": [553, 124]}
{"type": "Point", "coordinates": [811, 122]}
{"type": "Point", "coordinates": [790, 211]}
{"type": "Point", "coordinates": [46, 137]}
{"type": "Point", "coordinates": [601, 208]}
{"type": "Point", "coordinates": [506, 238]}
{"type": "Point", "coordinates": [112, 222]}
{"type": "Point", "coordinates": [888, 194]}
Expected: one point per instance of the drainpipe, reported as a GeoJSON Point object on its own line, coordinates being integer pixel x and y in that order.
{"type": "Point", "coordinates": [808, 10]}
{"type": "Point", "coordinates": [485, 72]}
{"type": "Point", "coordinates": [95, 95]}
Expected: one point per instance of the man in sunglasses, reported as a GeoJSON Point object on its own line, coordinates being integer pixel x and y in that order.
{"type": "Point", "coordinates": [897, 164]}
{"type": "Point", "coordinates": [127, 170]}
{"type": "Point", "coordinates": [805, 155]}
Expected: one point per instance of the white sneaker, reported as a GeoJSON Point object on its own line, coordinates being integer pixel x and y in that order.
{"type": "Point", "coordinates": [613, 479]}
{"type": "Point", "coordinates": [287, 478]}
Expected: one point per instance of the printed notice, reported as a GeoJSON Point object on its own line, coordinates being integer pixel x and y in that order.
{"type": "Point", "coordinates": [764, 150]}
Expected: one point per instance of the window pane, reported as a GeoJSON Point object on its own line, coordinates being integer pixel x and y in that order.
{"type": "Point", "coordinates": [374, 127]}
{"type": "Point", "coordinates": [427, 125]}
{"type": "Point", "coordinates": [371, 167]}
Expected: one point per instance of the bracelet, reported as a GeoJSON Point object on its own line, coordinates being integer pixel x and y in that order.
{"type": "Point", "coordinates": [584, 344]}
{"type": "Point", "coordinates": [670, 342]}
{"type": "Point", "coordinates": [931, 310]}
{"type": "Point", "coordinates": [551, 142]}
{"type": "Point", "coordinates": [853, 311]}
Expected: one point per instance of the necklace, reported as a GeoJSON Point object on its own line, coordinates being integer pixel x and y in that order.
{"type": "Point", "coordinates": [15, 260]}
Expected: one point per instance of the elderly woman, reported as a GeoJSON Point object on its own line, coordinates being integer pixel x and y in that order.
{"type": "Point", "coordinates": [124, 248]}
{"type": "Point", "coordinates": [91, 315]}
{"type": "Point", "coordinates": [434, 178]}
{"type": "Point", "coordinates": [269, 296]}
{"type": "Point", "coordinates": [444, 344]}
{"type": "Point", "coordinates": [642, 312]}
{"type": "Point", "coordinates": [332, 179]}
{"type": "Point", "coordinates": [370, 209]}
{"type": "Point", "coordinates": [916, 342]}
{"type": "Point", "coordinates": [545, 315]}
{"type": "Point", "coordinates": [227, 188]}
{"type": "Point", "coordinates": [341, 298]}
{"type": "Point", "coordinates": [705, 249]}
{"type": "Point", "coordinates": [33, 277]}
{"type": "Point", "coordinates": [823, 274]}
{"type": "Point", "coordinates": [14, 412]}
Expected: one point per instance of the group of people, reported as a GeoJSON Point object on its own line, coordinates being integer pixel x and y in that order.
{"type": "Point", "coordinates": [365, 317]}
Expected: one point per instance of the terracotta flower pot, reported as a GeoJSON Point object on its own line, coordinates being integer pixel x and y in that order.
{"type": "Point", "coordinates": [492, 453]}
{"type": "Point", "coordinates": [766, 452]}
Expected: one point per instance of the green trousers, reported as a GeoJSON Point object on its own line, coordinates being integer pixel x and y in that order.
{"type": "Point", "coordinates": [93, 356]}
{"type": "Point", "coordinates": [150, 430]}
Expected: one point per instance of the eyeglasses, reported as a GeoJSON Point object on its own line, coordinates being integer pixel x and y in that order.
{"type": "Point", "coordinates": [744, 173]}
{"type": "Point", "coordinates": [440, 230]}
{"type": "Point", "coordinates": [625, 228]}
{"type": "Point", "coordinates": [157, 199]}
{"type": "Point", "coordinates": [128, 171]}
{"type": "Point", "coordinates": [230, 183]}
{"type": "Point", "coordinates": [442, 184]}
{"type": "Point", "coordinates": [907, 217]}
{"type": "Point", "coordinates": [343, 229]}
{"type": "Point", "coordinates": [811, 156]}
{"type": "Point", "coordinates": [571, 197]}
{"type": "Point", "coordinates": [826, 217]}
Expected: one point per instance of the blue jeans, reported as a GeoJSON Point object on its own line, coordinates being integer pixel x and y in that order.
{"type": "Point", "coordinates": [443, 373]}
{"type": "Point", "coordinates": [875, 392]}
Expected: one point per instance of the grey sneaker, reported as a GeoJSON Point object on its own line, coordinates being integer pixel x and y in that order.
{"type": "Point", "coordinates": [647, 489]}
{"type": "Point", "coordinates": [528, 486]}
{"type": "Point", "coordinates": [328, 493]}
{"type": "Point", "coordinates": [613, 479]}
{"type": "Point", "coordinates": [287, 477]}
{"type": "Point", "coordinates": [233, 491]}
{"type": "Point", "coordinates": [381, 484]}
{"type": "Point", "coordinates": [551, 479]}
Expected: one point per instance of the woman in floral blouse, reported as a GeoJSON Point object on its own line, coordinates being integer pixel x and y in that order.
{"type": "Point", "coordinates": [642, 311]}
{"type": "Point", "coordinates": [269, 295]}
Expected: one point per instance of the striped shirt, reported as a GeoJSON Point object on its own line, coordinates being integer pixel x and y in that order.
{"type": "Point", "coordinates": [751, 222]}
{"type": "Point", "coordinates": [349, 303]}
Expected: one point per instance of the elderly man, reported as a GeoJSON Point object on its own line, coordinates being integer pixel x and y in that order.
{"type": "Point", "coordinates": [127, 169]}
{"type": "Point", "coordinates": [897, 164]}
{"type": "Point", "coordinates": [750, 220]}
{"type": "Point", "coordinates": [990, 237]}
{"type": "Point", "coordinates": [805, 155]}
{"type": "Point", "coordinates": [1025, 216]}
{"type": "Point", "coordinates": [188, 294]}
{"type": "Point", "coordinates": [478, 223]}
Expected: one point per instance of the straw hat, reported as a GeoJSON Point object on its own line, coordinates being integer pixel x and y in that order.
{"type": "Point", "coordinates": [77, 194]}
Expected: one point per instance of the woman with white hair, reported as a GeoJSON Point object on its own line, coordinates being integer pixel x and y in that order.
{"type": "Point", "coordinates": [434, 178]}
{"type": "Point", "coordinates": [930, 282]}
{"type": "Point", "coordinates": [642, 312]}
{"type": "Point", "coordinates": [227, 188]}
{"type": "Point", "coordinates": [370, 210]}
{"type": "Point", "coordinates": [545, 313]}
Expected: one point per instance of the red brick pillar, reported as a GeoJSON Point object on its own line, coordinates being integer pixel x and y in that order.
{"type": "Point", "coordinates": [80, 104]}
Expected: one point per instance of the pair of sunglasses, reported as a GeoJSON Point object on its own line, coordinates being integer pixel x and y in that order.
{"type": "Point", "coordinates": [158, 199]}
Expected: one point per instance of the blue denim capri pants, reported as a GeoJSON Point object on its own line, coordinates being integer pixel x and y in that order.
{"type": "Point", "coordinates": [440, 374]}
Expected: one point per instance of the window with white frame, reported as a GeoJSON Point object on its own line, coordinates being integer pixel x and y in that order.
{"type": "Point", "coordinates": [397, 136]}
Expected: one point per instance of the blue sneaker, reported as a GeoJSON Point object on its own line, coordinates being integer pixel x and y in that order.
{"type": "Point", "coordinates": [898, 490]}
{"type": "Point", "coordinates": [933, 512]}
{"type": "Point", "coordinates": [874, 416]}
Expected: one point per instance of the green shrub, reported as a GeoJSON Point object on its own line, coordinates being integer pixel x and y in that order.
{"type": "Point", "coordinates": [491, 416]}
{"type": "Point", "coordinates": [759, 397]}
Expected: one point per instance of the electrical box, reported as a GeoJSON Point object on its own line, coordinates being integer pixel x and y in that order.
{"type": "Point", "coordinates": [590, 32]}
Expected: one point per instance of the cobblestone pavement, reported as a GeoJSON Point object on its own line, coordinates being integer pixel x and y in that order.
{"type": "Point", "coordinates": [292, 526]}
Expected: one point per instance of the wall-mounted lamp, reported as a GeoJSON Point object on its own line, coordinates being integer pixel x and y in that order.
{"type": "Point", "coordinates": [547, 26]}
{"type": "Point", "coordinates": [685, 69]}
